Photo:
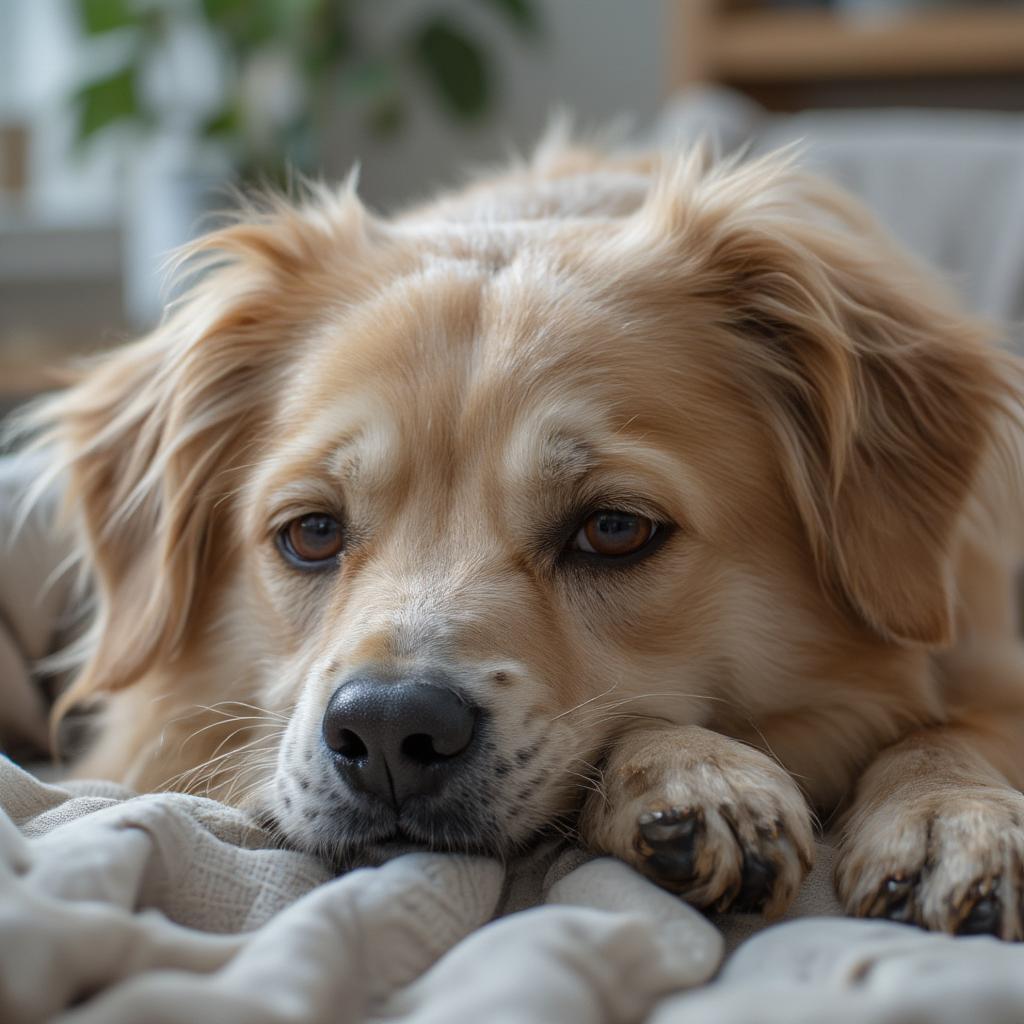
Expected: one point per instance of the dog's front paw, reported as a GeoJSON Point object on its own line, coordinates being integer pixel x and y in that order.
{"type": "Point", "coordinates": [715, 821]}
{"type": "Point", "coordinates": [953, 861]}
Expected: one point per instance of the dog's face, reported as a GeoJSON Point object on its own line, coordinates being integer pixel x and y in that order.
{"type": "Point", "coordinates": [496, 516]}
{"type": "Point", "coordinates": [459, 502]}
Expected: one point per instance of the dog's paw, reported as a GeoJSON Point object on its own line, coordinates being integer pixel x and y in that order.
{"type": "Point", "coordinates": [731, 855]}
{"type": "Point", "coordinates": [952, 862]}
{"type": "Point", "coordinates": [729, 832]}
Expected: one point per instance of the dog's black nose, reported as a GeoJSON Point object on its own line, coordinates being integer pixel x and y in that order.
{"type": "Point", "coordinates": [398, 739]}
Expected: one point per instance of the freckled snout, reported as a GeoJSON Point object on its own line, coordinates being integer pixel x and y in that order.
{"type": "Point", "coordinates": [398, 739]}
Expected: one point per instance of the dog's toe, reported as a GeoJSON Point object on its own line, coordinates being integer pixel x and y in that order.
{"type": "Point", "coordinates": [756, 883]}
{"type": "Point", "coordinates": [722, 858]}
{"type": "Point", "coordinates": [954, 865]}
{"type": "Point", "coordinates": [667, 843]}
{"type": "Point", "coordinates": [714, 821]}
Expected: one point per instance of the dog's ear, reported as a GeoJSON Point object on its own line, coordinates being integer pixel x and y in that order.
{"type": "Point", "coordinates": [147, 444]}
{"type": "Point", "coordinates": [882, 398]}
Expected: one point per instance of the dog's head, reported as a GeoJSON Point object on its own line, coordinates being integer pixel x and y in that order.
{"type": "Point", "coordinates": [458, 497]}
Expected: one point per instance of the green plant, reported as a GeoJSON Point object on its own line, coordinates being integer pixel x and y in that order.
{"type": "Point", "coordinates": [328, 57]}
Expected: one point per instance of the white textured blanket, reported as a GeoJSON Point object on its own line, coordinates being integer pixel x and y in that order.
{"type": "Point", "coordinates": [168, 907]}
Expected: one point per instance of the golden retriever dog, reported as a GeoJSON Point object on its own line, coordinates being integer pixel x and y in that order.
{"type": "Point", "coordinates": [654, 497]}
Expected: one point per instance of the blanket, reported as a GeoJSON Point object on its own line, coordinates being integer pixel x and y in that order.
{"type": "Point", "coordinates": [174, 908]}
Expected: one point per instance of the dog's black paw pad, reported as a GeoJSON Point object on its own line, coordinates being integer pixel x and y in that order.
{"type": "Point", "coordinates": [667, 842]}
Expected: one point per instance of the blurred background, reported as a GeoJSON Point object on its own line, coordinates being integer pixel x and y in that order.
{"type": "Point", "coordinates": [123, 122]}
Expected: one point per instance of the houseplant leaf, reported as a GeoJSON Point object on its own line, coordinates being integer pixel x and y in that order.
{"type": "Point", "coordinates": [105, 101]}
{"type": "Point", "coordinates": [100, 16]}
{"type": "Point", "coordinates": [521, 13]}
{"type": "Point", "coordinates": [455, 66]}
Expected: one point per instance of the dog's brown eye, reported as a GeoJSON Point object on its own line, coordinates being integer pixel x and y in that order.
{"type": "Point", "coordinates": [614, 534]}
{"type": "Point", "coordinates": [312, 540]}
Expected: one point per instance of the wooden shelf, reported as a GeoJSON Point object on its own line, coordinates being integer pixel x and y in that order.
{"type": "Point", "coordinates": [770, 46]}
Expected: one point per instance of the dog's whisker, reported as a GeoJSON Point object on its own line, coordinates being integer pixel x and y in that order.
{"type": "Point", "coordinates": [220, 783]}
{"type": "Point", "coordinates": [659, 695]}
{"type": "Point", "coordinates": [587, 782]}
{"type": "Point", "coordinates": [210, 763]}
{"type": "Point", "coordinates": [262, 767]}
{"type": "Point", "coordinates": [593, 774]}
{"type": "Point", "coordinates": [255, 723]}
{"type": "Point", "coordinates": [584, 703]}
{"type": "Point", "coordinates": [193, 778]}
{"type": "Point", "coordinates": [242, 704]}
{"type": "Point", "coordinates": [603, 718]}
{"type": "Point", "coordinates": [278, 731]}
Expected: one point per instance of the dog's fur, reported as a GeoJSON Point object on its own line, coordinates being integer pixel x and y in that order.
{"type": "Point", "coordinates": [732, 349]}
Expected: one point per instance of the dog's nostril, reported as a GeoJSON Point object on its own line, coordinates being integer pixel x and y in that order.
{"type": "Point", "coordinates": [349, 745]}
{"type": "Point", "coordinates": [420, 749]}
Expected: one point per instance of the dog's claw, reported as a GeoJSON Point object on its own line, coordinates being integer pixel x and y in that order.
{"type": "Point", "coordinates": [756, 885]}
{"type": "Point", "coordinates": [668, 843]}
{"type": "Point", "coordinates": [894, 901]}
{"type": "Point", "coordinates": [984, 918]}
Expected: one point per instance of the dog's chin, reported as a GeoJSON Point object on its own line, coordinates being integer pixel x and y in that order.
{"type": "Point", "coordinates": [378, 853]}
{"type": "Point", "coordinates": [349, 854]}
{"type": "Point", "coordinates": [371, 854]}
{"type": "Point", "coordinates": [349, 839]}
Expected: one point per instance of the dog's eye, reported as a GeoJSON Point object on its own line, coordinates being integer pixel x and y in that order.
{"type": "Point", "coordinates": [311, 541]}
{"type": "Point", "coordinates": [614, 534]}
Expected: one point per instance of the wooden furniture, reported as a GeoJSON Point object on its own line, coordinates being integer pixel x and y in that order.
{"type": "Point", "coordinates": [791, 57]}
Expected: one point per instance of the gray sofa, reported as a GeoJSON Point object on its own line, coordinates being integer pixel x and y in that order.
{"type": "Point", "coordinates": [948, 184]}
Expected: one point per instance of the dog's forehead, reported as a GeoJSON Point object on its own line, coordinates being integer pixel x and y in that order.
{"type": "Point", "coordinates": [526, 372]}
{"type": "Point", "coordinates": [458, 330]}
{"type": "Point", "coordinates": [462, 388]}
{"type": "Point", "coordinates": [463, 339]}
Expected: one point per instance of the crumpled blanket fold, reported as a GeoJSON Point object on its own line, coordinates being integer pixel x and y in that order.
{"type": "Point", "coordinates": [167, 907]}
{"type": "Point", "coordinates": [118, 908]}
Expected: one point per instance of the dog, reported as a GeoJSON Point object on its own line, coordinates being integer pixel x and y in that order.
{"type": "Point", "coordinates": [654, 499]}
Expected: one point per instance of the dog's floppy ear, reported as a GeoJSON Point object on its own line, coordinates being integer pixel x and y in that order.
{"type": "Point", "coordinates": [146, 443]}
{"type": "Point", "coordinates": [882, 398]}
